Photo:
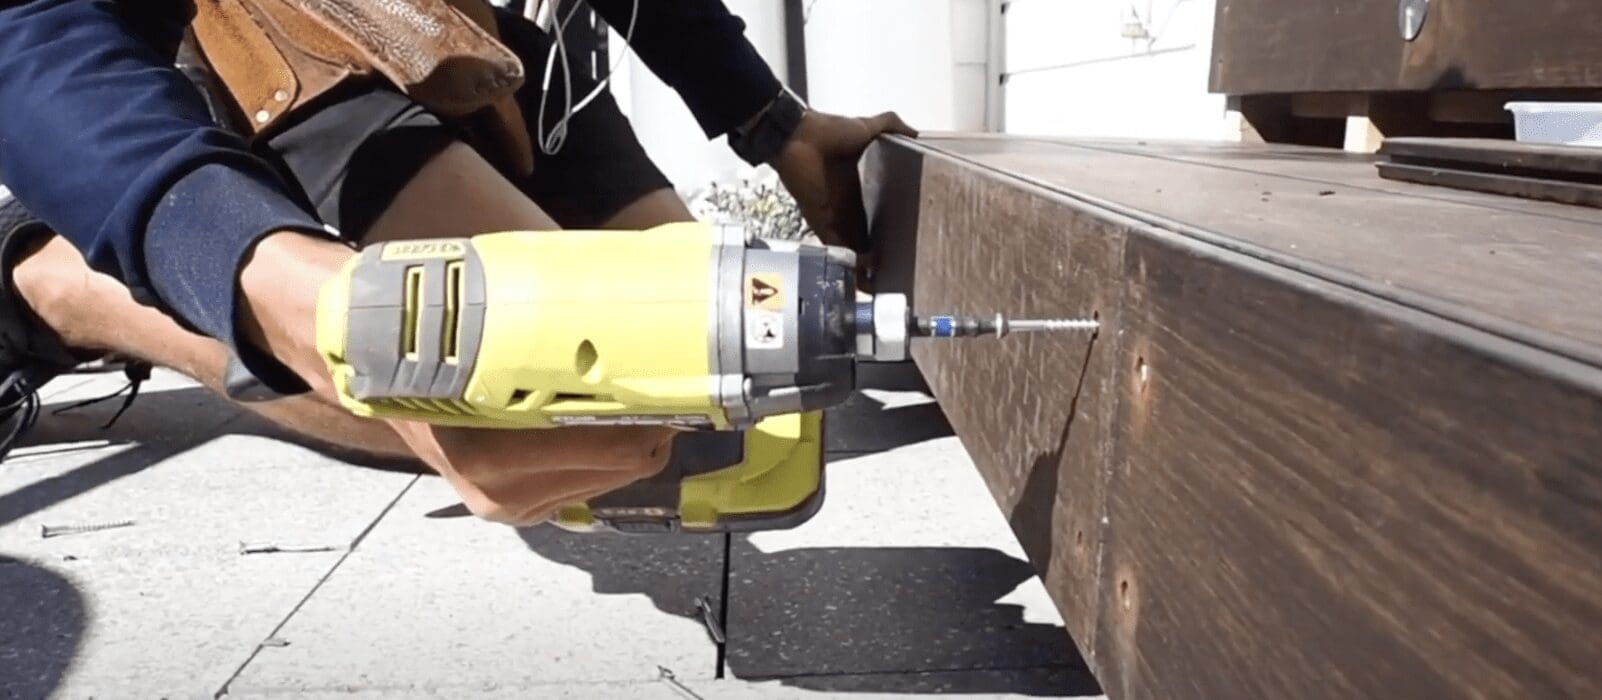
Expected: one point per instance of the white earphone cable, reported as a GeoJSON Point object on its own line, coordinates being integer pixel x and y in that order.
{"type": "Point", "coordinates": [551, 143]}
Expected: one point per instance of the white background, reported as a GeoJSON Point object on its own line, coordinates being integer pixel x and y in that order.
{"type": "Point", "coordinates": [929, 60]}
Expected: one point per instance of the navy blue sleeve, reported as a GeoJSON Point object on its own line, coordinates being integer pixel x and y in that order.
{"type": "Point", "coordinates": [699, 49]}
{"type": "Point", "coordinates": [113, 147]}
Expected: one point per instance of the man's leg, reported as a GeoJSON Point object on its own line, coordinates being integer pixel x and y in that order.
{"type": "Point", "coordinates": [602, 179]}
{"type": "Point", "coordinates": [513, 476]}
{"type": "Point", "coordinates": [93, 311]}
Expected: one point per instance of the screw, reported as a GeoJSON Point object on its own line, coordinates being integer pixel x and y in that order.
{"type": "Point", "coordinates": [48, 531]}
{"type": "Point", "coordinates": [245, 548]}
{"type": "Point", "coordinates": [667, 675]}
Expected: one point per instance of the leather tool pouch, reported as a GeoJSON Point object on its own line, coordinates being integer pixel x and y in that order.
{"type": "Point", "coordinates": [273, 57]}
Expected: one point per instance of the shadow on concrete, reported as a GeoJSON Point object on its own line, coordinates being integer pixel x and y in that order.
{"type": "Point", "coordinates": [847, 619]}
{"type": "Point", "coordinates": [42, 616]}
{"type": "Point", "coordinates": [866, 425]}
{"type": "Point", "coordinates": [150, 431]}
{"type": "Point", "coordinates": [42, 622]}
{"type": "Point", "coordinates": [180, 416]}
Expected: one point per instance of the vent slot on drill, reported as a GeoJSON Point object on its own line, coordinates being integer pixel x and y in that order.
{"type": "Point", "coordinates": [411, 312]}
{"type": "Point", "coordinates": [563, 396]}
{"type": "Point", "coordinates": [452, 337]}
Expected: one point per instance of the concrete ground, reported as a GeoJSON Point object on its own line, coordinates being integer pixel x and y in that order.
{"type": "Point", "coordinates": [908, 582]}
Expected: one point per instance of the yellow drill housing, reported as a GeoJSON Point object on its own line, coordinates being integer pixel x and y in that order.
{"type": "Point", "coordinates": [578, 327]}
{"type": "Point", "coordinates": [564, 328]}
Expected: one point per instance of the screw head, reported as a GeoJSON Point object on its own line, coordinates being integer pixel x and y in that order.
{"type": "Point", "coordinates": [1410, 16]}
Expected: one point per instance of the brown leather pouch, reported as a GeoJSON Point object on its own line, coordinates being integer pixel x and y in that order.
{"type": "Point", "coordinates": [275, 56]}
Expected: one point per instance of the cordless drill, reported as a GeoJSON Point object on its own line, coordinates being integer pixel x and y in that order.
{"type": "Point", "coordinates": [742, 342]}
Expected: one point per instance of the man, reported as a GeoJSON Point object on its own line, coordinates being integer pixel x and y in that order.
{"type": "Point", "coordinates": [150, 232]}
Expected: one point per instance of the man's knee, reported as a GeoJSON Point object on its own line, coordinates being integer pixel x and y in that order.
{"type": "Point", "coordinates": [663, 206]}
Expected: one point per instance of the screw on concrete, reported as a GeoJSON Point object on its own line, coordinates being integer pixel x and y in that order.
{"type": "Point", "coordinates": [48, 531]}
{"type": "Point", "coordinates": [246, 548]}
{"type": "Point", "coordinates": [668, 677]}
{"type": "Point", "coordinates": [709, 617]}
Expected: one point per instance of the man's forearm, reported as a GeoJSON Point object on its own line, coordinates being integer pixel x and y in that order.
{"type": "Point", "coordinates": [114, 148]}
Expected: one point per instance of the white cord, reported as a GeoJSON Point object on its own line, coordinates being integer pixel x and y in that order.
{"type": "Point", "coordinates": [551, 143]}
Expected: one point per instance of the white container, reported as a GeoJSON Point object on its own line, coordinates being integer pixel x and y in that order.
{"type": "Point", "coordinates": [1566, 123]}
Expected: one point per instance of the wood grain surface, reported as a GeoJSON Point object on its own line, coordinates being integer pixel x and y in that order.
{"type": "Point", "coordinates": [1538, 188]}
{"type": "Point", "coordinates": [1552, 173]}
{"type": "Point", "coordinates": [1320, 495]}
{"type": "Point", "coordinates": [1284, 46]}
{"type": "Point", "coordinates": [1576, 161]}
{"type": "Point", "coordinates": [1274, 483]}
{"type": "Point", "coordinates": [1530, 270]}
{"type": "Point", "coordinates": [1029, 414]}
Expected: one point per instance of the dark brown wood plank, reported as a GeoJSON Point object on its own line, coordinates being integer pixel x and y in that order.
{"type": "Point", "coordinates": [1565, 174]}
{"type": "Point", "coordinates": [1287, 485]}
{"type": "Point", "coordinates": [1502, 154]}
{"type": "Point", "coordinates": [1318, 494]}
{"type": "Point", "coordinates": [1032, 409]}
{"type": "Point", "coordinates": [1547, 190]}
{"type": "Point", "coordinates": [1322, 166]}
{"type": "Point", "coordinates": [1530, 269]}
{"type": "Point", "coordinates": [1284, 46]}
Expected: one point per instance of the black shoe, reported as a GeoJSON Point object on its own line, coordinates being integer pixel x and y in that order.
{"type": "Point", "coordinates": [30, 353]}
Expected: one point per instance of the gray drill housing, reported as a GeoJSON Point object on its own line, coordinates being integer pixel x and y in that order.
{"type": "Point", "coordinates": [814, 366]}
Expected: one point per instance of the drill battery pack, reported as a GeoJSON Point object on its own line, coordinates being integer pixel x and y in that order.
{"type": "Point", "coordinates": [769, 477]}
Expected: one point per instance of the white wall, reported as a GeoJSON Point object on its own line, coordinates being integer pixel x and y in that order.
{"type": "Point", "coordinates": [923, 58]}
{"type": "Point", "coordinates": [1095, 82]}
{"type": "Point", "coordinates": [1074, 74]}
{"type": "Point", "coordinates": [867, 56]}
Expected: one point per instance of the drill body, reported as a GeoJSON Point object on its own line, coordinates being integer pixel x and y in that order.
{"type": "Point", "coordinates": [686, 325]}
{"type": "Point", "coordinates": [742, 341]}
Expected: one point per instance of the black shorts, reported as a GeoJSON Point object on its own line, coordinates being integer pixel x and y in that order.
{"type": "Point", "coordinates": [353, 152]}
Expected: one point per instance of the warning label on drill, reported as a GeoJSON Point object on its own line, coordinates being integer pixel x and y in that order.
{"type": "Point", "coordinates": [681, 421]}
{"type": "Point", "coordinates": [764, 330]}
{"type": "Point", "coordinates": [764, 291]}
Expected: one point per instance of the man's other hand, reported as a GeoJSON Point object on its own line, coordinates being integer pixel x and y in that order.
{"type": "Point", "coordinates": [818, 165]}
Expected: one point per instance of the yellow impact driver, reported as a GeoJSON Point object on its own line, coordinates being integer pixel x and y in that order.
{"type": "Point", "coordinates": [742, 341]}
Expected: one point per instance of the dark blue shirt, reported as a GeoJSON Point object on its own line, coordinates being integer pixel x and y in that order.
{"type": "Point", "coordinates": [113, 147]}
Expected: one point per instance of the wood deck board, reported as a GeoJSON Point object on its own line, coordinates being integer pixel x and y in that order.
{"type": "Point", "coordinates": [1323, 486]}
{"type": "Point", "coordinates": [1529, 267]}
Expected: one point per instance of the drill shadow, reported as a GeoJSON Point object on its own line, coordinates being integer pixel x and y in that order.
{"type": "Point", "coordinates": [866, 423]}
{"type": "Point", "coordinates": [921, 620]}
